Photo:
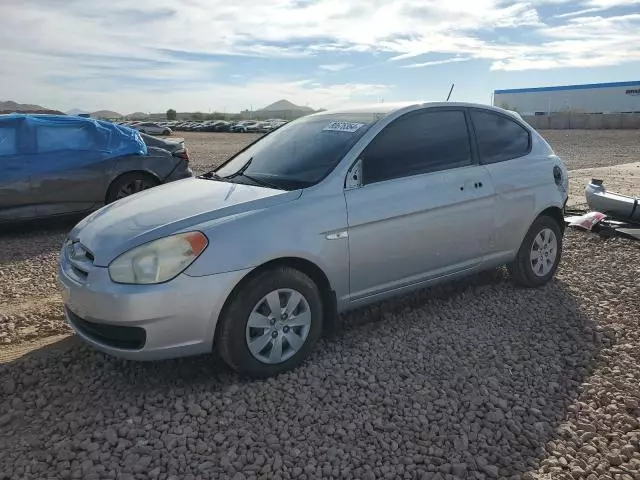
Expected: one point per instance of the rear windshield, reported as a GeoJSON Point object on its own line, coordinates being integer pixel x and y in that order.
{"type": "Point", "coordinates": [302, 152]}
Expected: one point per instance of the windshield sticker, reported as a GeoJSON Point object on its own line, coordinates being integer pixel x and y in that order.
{"type": "Point", "coordinates": [348, 127]}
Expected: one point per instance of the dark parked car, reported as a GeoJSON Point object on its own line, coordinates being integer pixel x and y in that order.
{"type": "Point", "coordinates": [223, 126]}
{"type": "Point", "coordinates": [56, 165]}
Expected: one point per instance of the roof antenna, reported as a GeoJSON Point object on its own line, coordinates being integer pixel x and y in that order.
{"type": "Point", "coordinates": [451, 90]}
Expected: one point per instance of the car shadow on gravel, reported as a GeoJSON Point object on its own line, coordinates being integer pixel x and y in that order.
{"type": "Point", "coordinates": [472, 378]}
{"type": "Point", "coordinates": [47, 225]}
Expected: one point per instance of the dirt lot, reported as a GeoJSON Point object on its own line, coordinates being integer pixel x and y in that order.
{"type": "Point", "coordinates": [208, 150]}
{"type": "Point", "coordinates": [594, 148]}
{"type": "Point", "coordinates": [476, 379]}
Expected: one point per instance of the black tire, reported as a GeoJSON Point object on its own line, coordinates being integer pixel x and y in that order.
{"type": "Point", "coordinates": [231, 340]}
{"type": "Point", "coordinates": [522, 269]}
{"type": "Point", "coordinates": [136, 181]}
{"type": "Point", "coordinates": [166, 133]}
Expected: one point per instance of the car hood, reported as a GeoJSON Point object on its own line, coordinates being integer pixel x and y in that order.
{"type": "Point", "coordinates": [168, 209]}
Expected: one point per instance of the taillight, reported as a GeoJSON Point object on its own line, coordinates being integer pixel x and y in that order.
{"type": "Point", "coordinates": [183, 154]}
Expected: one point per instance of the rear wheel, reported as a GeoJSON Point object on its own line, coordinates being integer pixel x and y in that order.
{"type": "Point", "coordinates": [271, 324]}
{"type": "Point", "coordinates": [539, 254]}
{"type": "Point", "coordinates": [130, 183]}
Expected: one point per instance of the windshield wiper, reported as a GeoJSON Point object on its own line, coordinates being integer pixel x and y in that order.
{"type": "Point", "coordinates": [211, 176]}
{"type": "Point", "coordinates": [261, 182]}
{"type": "Point", "coordinates": [241, 170]}
{"type": "Point", "coordinates": [240, 173]}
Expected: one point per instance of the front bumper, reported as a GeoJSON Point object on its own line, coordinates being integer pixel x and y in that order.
{"type": "Point", "coordinates": [144, 322]}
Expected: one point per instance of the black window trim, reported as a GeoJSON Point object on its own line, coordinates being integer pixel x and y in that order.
{"type": "Point", "coordinates": [500, 114]}
{"type": "Point", "coordinates": [474, 160]}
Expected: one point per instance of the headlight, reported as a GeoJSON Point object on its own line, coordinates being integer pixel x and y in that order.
{"type": "Point", "coordinates": [158, 261]}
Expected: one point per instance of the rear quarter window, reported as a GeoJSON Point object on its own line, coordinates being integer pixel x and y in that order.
{"type": "Point", "coordinates": [73, 137]}
{"type": "Point", "coordinates": [8, 140]}
{"type": "Point", "coordinates": [499, 138]}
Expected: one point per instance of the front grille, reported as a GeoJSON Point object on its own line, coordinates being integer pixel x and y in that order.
{"type": "Point", "coordinates": [116, 336]}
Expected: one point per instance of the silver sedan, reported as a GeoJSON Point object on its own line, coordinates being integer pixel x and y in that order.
{"type": "Point", "coordinates": [330, 212]}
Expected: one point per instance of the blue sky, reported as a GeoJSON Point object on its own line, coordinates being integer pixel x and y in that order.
{"type": "Point", "coordinates": [208, 55]}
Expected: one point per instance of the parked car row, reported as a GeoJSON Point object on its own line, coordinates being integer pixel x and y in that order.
{"type": "Point", "coordinates": [242, 126]}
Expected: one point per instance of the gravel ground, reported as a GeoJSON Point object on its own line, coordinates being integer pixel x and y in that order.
{"type": "Point", "coordinates": [208, 150]}
{"type": "Point", "coordinates": [30, 304]}
{"type": "Point", "coordinates": [475, 379]}
{"type": "Point", "coordinates": [594, 148]}
{"type": "Point", "coordinates": [471, 380]}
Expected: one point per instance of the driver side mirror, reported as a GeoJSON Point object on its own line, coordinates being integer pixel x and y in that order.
{"type": "Point", "coordinates": [354, 176]}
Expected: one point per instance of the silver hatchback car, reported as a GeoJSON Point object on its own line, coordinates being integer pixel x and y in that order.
{"type": "Point", "coordinates": [330, 212]}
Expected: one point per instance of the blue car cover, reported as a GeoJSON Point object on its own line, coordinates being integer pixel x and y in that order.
{"type": "Point", "coordinates": [22, 134]}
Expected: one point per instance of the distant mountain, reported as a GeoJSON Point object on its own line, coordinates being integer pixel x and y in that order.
{"type": "Point", "coordinates": [76, 111]}
{"type": "Point", "coordinates": [13, 107]}
{"type": "Point", "coordinates": [286, 106]}
{"type": "Point", "coordinates": [106, 114]}
{"type": "Point", "coordinates": [25, 107]}
{"type": "Point", "coordinates": [138, 116]}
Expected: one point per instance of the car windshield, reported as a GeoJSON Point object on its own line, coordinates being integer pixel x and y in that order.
{"type": "Point", "coordinates": [300, 153]}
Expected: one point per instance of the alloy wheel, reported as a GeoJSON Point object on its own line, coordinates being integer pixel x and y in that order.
{"type": "Point", "coordinates": [278, 326]}
{"type": "Point", "coordinates": [544, 251]}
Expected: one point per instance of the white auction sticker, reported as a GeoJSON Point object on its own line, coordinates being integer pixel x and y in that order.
{"type": "Point", "coordinates": [348, 127]}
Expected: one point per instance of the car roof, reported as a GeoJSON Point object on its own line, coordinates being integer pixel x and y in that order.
{"type": "Point", "coordinates": [388, 108]}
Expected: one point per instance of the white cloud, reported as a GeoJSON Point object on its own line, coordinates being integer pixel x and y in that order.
{"type": "Point", "coordinates": [335, 67]}
{"type": "Point", "coordinates": [599, 6]}
{"type": "Point", "coordinates": [582, 42]}
{"type": "Point", "coordinates": [435, 62]}
{"type": "Point", "coordinates": [577, 13]}
{"type": "Point", "coordinates": [68, 52]}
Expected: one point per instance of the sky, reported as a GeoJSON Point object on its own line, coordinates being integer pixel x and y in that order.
{"type": "Point", "coordinates": [222, 55]}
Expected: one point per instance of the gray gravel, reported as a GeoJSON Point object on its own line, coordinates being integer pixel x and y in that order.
{"type": "Point", "coordinates": [594, 148]}
{"type": "Point", "coordinates": [476, 379]}
{"type": "Point", "coordinates": [30, 304]}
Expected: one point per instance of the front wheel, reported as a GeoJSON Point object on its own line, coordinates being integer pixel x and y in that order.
{"type": "Point", "coordinates": [539, 254]}
{"type": "Point", "coordinates": [271, 324]}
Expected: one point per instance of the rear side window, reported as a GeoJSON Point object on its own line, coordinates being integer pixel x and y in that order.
{"type": "Point", "coordinates": [73, 137]}
{"type": "Point", "coordinates": [8, 140]}
{"type": "Point", "coordinates": [499, 138]}
{"type": "Point", "coordinates": [416, 143]}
